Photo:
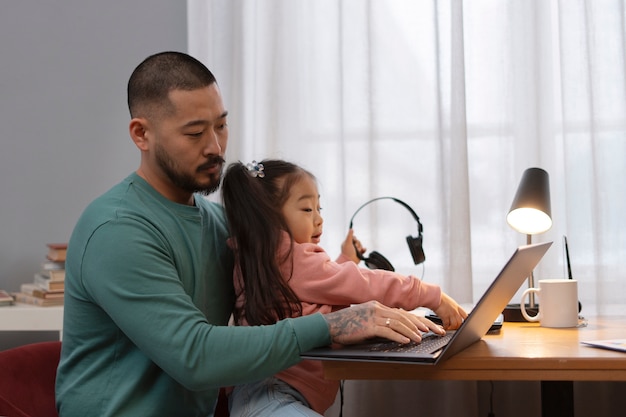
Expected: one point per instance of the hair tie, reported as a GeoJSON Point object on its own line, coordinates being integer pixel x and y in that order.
{"type": "Point", "coordinates": [255, 169]}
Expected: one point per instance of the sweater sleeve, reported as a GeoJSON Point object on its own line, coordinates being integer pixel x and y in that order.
{"type": "Point", "coordinates": [150, 307]}
{"type": "Point", "coordinates": [342, 259]}
{"type": "Point", "coordinates": [317, 279]}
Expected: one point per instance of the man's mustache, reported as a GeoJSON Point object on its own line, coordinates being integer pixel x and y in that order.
{"type": "Point", "coordinates": [212, 161]}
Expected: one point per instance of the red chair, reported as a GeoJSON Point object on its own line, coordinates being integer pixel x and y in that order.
{"type": "Point", "coordinates": [27, 376]}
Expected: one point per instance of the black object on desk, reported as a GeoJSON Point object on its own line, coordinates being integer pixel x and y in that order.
{"type": "Point", "coordinates": [497, 324]}
{"type": "Point", "coordinates": [513, 312]}
{"type": "Point", "coordinates": [569, 266]}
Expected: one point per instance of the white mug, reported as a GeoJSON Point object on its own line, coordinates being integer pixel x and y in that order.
{"type": "Point", "coordinates": [558, 303]}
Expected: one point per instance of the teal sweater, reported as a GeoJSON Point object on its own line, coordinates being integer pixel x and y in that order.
{"type": "Point", "coordinates": [148, 296]}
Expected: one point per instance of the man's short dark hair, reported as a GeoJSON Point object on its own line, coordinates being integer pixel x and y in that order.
{"type": "Point", "coordinates": [153, 79]}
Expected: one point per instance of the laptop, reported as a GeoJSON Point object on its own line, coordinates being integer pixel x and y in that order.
{"type": "Point", "coordinates": [433, 348]}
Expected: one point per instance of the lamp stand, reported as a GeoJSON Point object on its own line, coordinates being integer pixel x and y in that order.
{"type": "Point", "coordinates": [513, 312]}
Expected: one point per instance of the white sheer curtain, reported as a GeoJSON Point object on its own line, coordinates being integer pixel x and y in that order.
{"type": "Point", "coordinates": [442, 104]}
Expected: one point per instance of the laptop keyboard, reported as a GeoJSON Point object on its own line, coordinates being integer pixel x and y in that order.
{"type": "Point", "coordinates": [431, 343]}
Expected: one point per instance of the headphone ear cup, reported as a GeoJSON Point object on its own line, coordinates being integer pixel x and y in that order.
{"type": "Point", "coordinates": [378, 261]}
{"type": "Point", "coordinates": [417, 251]}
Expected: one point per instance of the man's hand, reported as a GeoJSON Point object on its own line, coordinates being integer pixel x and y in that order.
{"type": "Point", "coordinates": [372, 319]}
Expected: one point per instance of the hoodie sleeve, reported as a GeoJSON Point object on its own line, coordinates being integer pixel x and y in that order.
{"type": "Point", "coordinates": [316, 279]}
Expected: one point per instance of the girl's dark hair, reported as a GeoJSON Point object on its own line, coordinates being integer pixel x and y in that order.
{"type": "Point", "coordinates": [253, 207]}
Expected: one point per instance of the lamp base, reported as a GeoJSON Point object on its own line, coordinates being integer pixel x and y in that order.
{"type": "Point", "coordinates": [513, 312]}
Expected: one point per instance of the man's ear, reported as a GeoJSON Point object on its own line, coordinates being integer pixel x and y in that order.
{"type": "Point", "coordinates": [137, 129]}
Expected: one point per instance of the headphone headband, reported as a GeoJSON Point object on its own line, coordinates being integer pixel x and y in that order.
{"type": "Point", "coordinates": [378, 261]}
{"type": "Point", "coordinates": [420, 228]}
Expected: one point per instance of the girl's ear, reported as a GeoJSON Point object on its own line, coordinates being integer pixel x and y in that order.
{"type": "Point", "coordinates": [138, 132]}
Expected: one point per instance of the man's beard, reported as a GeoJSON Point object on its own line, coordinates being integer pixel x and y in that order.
{"type": "Point", "coordinates": [185, 181]}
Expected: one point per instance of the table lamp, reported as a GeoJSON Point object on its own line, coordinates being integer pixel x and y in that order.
{"type": "Point", "coordinates": [530, 214]}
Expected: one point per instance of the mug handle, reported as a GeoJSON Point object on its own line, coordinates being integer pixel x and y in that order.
{"type": "Point", "coordinates": [523, 305]}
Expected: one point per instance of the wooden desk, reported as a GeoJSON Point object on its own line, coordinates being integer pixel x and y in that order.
{"type": "Point", "coordinates": [520, 351]}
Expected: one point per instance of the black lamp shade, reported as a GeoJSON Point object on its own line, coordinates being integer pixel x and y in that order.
{"type": "Point", "coordinates": [530, 212]}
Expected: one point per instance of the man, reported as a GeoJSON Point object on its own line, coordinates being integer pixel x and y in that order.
{"type": "Point", "coordinates": [149, 275]}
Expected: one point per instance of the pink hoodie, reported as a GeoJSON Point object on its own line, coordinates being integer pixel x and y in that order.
{"type": "Point", "coordinates": [324, 286]}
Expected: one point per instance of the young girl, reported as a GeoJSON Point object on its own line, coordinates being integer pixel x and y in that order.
{"type": "Point", "coordinates": [281, 271]}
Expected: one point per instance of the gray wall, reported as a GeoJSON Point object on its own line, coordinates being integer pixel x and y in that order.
{"type": "Point", "coordinates": [64, 65]}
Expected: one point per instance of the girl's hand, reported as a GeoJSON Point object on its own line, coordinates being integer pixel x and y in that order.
{"type": "Point", "coordinates": [450, 313]}
{"type": "Point", "coordinates": [350, 246]}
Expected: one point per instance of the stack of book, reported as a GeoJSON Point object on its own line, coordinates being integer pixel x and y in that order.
{"type": "Point", "coordinates": [5, 298]}
{"type": "Point", "coordinates": [48, 286]}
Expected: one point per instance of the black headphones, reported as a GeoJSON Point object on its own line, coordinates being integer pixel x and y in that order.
{"type": "Point", "coordinates": [378, 261]}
